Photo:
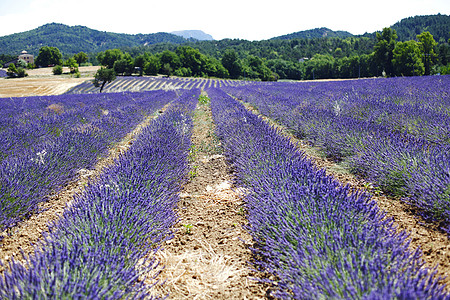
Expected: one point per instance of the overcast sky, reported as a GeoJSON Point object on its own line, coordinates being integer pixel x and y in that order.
{"type": "Point", "coordinates": [251, 20]}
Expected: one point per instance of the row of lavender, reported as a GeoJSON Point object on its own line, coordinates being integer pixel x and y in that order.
{"type": "Point", "coordinates": [132, 83]}
{"type": "Point", "coordinates": [103, 245]}
{"type": "Point", "coordinates": [26, 122]}
{"type": "Point", "coordinates": [45, 141]}
{"type": "Point", "coordinates": [319, 241]}
{"type": "Point", "coordinates": [394, 132]}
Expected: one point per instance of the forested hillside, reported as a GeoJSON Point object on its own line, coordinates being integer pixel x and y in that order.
{"type": "Point", "coordinates": [74, 39]}
{"type": "Point", "coordinates": [291, 50]}
{"type": "Point", "coordinates": [437, 25]}
{"type": "Point", "coordinates": [314, 33]}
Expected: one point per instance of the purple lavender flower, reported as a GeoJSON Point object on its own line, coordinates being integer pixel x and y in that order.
{"type": "Point", "coordinates": [100, 246]}
{"type": "Point", "coordinates": [320, 241]}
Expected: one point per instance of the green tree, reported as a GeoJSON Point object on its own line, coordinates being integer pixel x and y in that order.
{"type": "Point", "coordinates": [367, 65]}
{"type": "Point", "coordinates": [139, 63]}
{"type": "Point", "coordinates": [320, 67]}
{"type": "Point", "coordinates": [81, 58]}
{"type": "Point", "coordinates": [169, 62]}
{"type": "Point", "coordinates": [125, 65]}
{"type": "Point", "coordinates": [152, 66]}
{"type": "Point", "coordinates": [256, 68]}
{"type": "Point", "coordinates": [183, 72]}
{"type": "Point", "coordinates": [427, 46]}
{"type": "Point", "coordinates": [167, 69]}
{"type": "Point", "coordinates": [338, 53]}
{"type": "Point", "coordinates": [285, 69]}
{"type": "Point", "coordinates": [214, 68]}
{"type": "Point", "coordinates": [12, 71]}
{"type": "Point", "coordinates": [407, 60]}
{"type": "Point", "coordinates": [103, 76]}
{"type": "Point", "coordinates": [109, 57]}
{"type": "Point", "coordinates": [231, 62]}
{"type": "Point", "coordinates": [72, 64]}
{"type": "Point", "coordinates": [192, 59]}
{"type": "Point", "coordinates": [49, 56]}
{"type": "Point", "coordinates": [444, 54]}
{"type": "Point", "coordinates": [348, 67]}
{"type": "Point", "coordinates": [384, 50]}
{"type": "Point", "coordinates": [21, 72]}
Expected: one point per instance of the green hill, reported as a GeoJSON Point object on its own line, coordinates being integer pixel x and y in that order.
{"type": "Point", "coordinates": [437, 25]}
{"type": "Point", "coordinates": [314, 33]}
{"type": "Point", "coordinates": [73, 39]}
{"type": "Point", "coordinates": [407, 29]}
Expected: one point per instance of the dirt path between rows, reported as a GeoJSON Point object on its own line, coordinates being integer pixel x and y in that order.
{"type": "Point", "coordinates": [25, 235]}
{"type": "Point", "coordinates": [208, 257]}
{"type": "Point", "coordinates": [434, 244]}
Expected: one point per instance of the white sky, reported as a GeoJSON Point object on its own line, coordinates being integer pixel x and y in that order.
{"type": "Point", "coordinates": [251, 20]}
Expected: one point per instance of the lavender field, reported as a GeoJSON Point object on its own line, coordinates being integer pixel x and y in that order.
{"type": "Point", "coordinates": [135, 84]}
{"type": "Point", "coordinates": [312, 237]}
{"type": "Point", "coordinates": [394, 132]}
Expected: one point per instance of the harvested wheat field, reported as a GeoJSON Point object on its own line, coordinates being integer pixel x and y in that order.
{"type": "Point", "coordinates": [42, 82]}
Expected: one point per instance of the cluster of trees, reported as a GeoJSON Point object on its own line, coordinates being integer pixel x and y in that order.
{"type": "Point", "coordinates": [422, 56]}
{"type": "Point", "coordinates": [17, 71]}
{"type": "Point", "coordinates": [407, 58]}
{"type": "Point", "coordinates": [285, 59]}
{"type": "Point", "coordinates": [51, 56]}
{"type": "Point", "coordinates": [334, 57]}
{"type": "Point", "coordinates": [185, 61]}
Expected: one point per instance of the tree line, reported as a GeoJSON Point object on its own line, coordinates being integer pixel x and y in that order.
{"type": "Point", "coordinates": [272, 60]}
{"type": "Point", "coordinates": [296, 59]}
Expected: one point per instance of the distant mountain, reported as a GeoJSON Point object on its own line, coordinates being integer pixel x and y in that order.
{"type": "Point", "coordinates": [314, 33]}
{"type": "Point", "coordinates": [73, 39]}
{"type": "Point", "coordinates": [194, 34]}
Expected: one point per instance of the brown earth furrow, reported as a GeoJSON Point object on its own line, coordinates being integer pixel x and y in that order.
{"type": "Point", "coordinates": [26, 235]}
{"type": "Point", "coordinates": [427, 236]}
{"type": "Point", "coordinates": [208, 257]}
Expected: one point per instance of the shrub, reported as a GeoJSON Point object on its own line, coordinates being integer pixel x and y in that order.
{"type": "Point", "coordinates": [21, 72]}
{"type": "Point", "coordinates": [13, 71]}
{"type": "Point", "coordinates": [57, 70]}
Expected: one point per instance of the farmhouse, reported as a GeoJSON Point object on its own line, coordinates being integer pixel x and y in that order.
{"type": "Point", "coordinates": [29, 58]}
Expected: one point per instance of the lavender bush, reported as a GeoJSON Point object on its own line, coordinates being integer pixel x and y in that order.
{"type": "Point", "coordinates": [319, 241]}
{"type": "Point", "coordinates": [105, 239]}
{"type": "Point", "coordinates": [42, 150]}
{"type": "Point", "coordinates": [389, 131]}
